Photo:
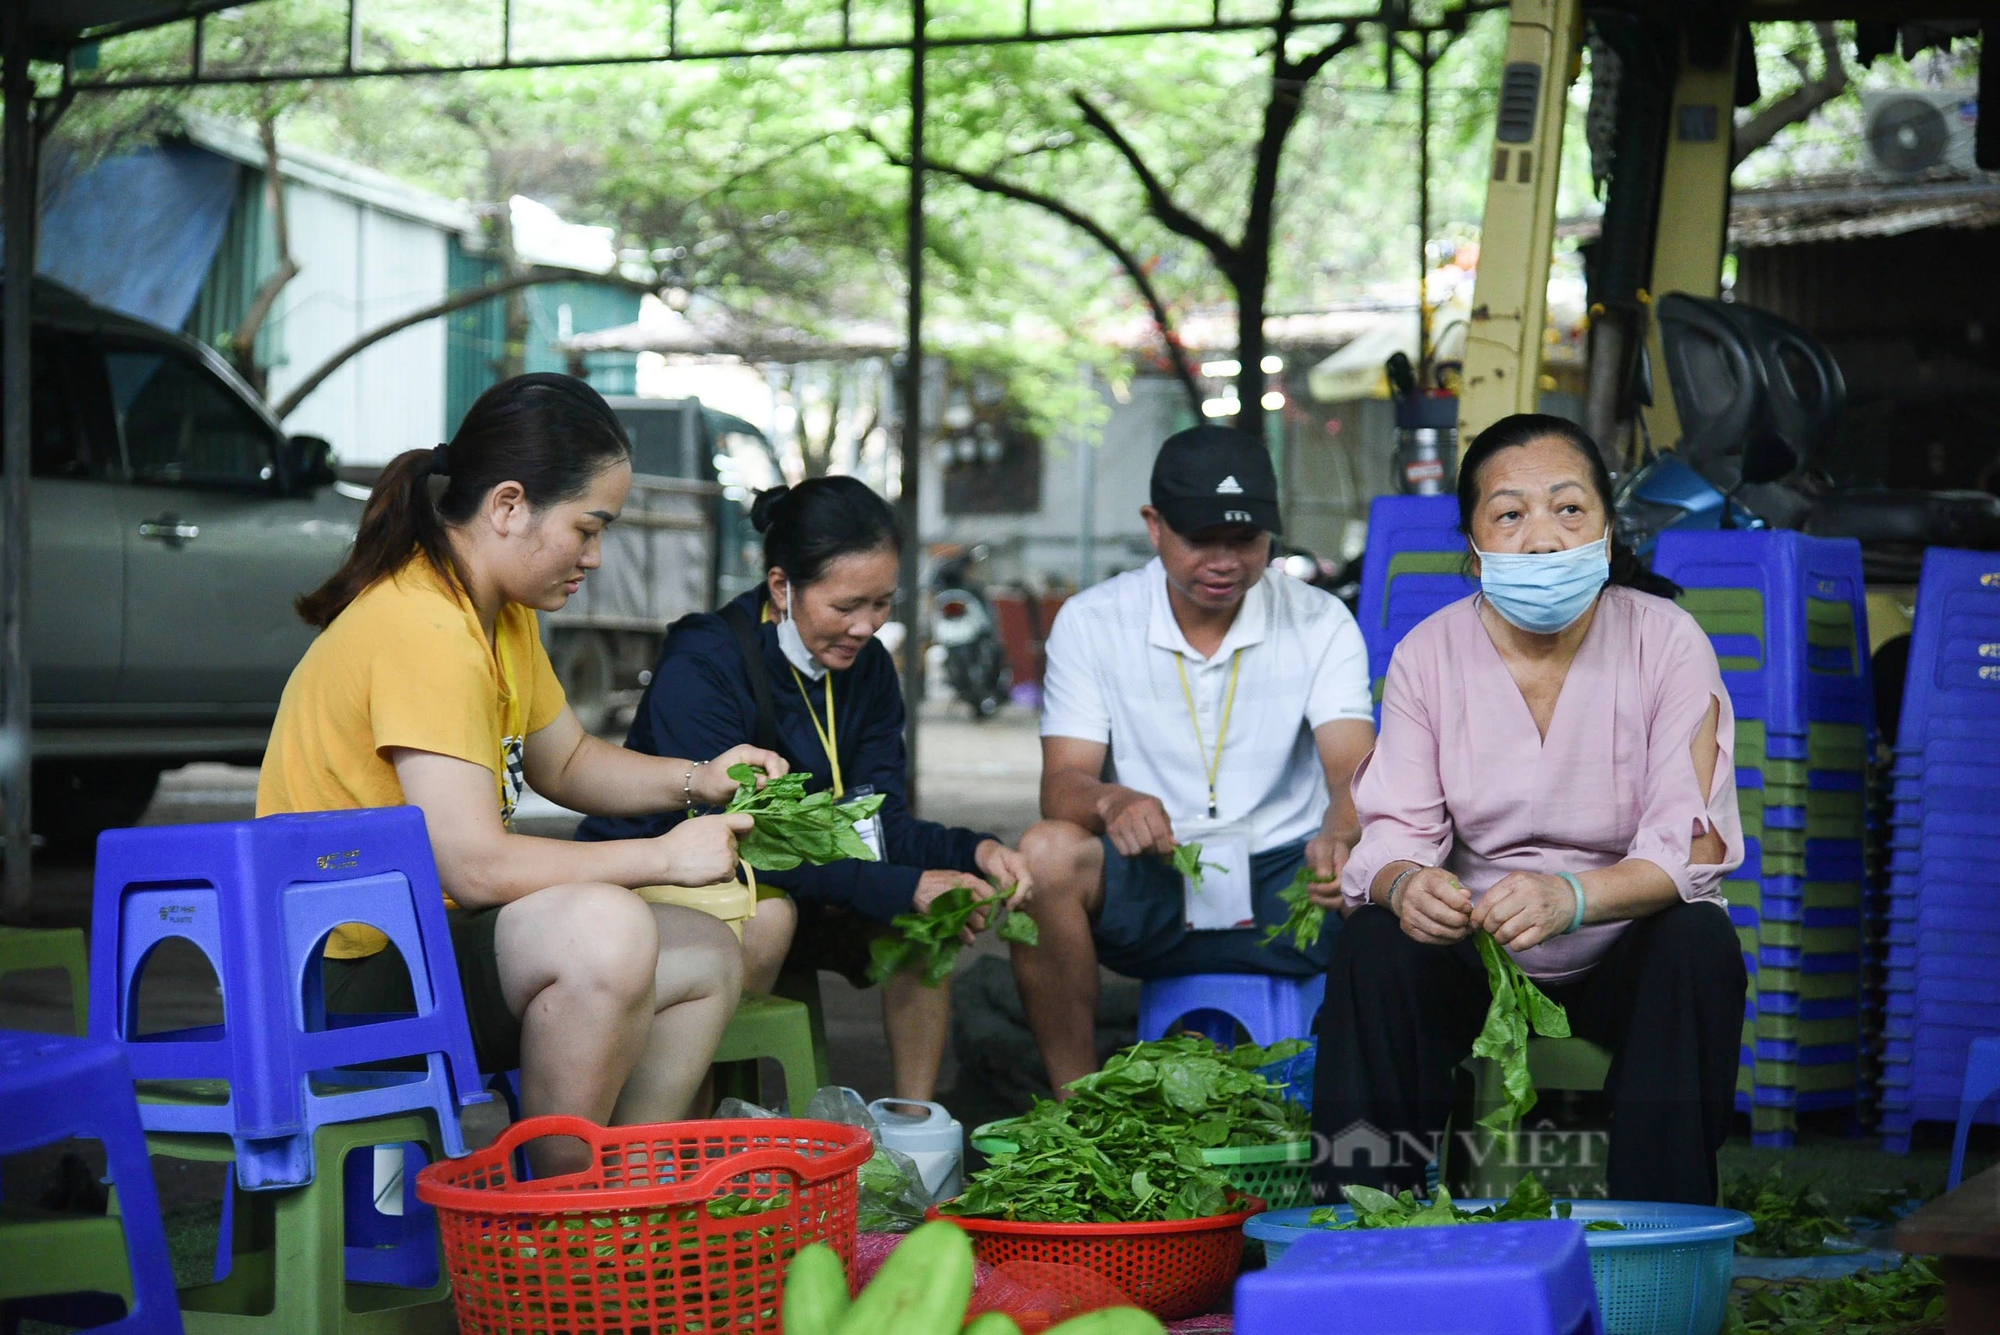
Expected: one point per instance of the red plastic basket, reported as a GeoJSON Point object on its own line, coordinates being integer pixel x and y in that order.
{"type": "Point", "coordinates": [629, 1245]}
{"type": "Point", "coordinates": [1173, 1268]}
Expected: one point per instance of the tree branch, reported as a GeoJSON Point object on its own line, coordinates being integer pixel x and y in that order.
{"type": "Point", "coordinates": [243, 342]}
{"type": "Point", "coordinates": [471, 296]}
{"type": "Point", "coordinates": [993, 185]}
{"type": "Point", "coordinates": [1759, 130]}
{"type": "Point", "coordinates": [1158, 200]}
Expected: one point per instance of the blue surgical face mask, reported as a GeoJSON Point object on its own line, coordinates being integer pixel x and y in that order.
{"type": "Point", "coordinates": [792, 644]}
{"type": "Point", "coordinates": [1545, 592]}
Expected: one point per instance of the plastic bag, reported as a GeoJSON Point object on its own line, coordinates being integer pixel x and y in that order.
{"type": "Point", "coordinates": [1040, 1294]}
{"type": "Point", "coordinates": [735, 1108]}
{"type": "Point", "coordinates": [893, 1198]}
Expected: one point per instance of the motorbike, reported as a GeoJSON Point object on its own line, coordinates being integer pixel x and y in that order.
{"type": "Point", "coordinates": [964, 625]}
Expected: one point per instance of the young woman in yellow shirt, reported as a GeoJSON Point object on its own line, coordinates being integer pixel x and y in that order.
{"type": "Point", "coordinates": [430, 685]}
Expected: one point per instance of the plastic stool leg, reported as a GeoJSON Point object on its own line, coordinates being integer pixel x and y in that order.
{"type": "Point", "coordinates": [802, 985]}
{"type": "Point", "coordinates": [1982, 1082]}
{"type": "Point", "coordinates": [774, 1027]}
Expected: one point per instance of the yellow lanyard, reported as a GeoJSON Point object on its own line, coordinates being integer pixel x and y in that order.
{"type": "Point", "coordinates": [829, 736]}
{"type": "Point", "coordinates": [1221, 733]}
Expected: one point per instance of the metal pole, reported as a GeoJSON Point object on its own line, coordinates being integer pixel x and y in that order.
{"type": "Point", "coordinates": [913, 408]}
{"type": "Point", "coordinates": [17, 389]}
{"type": "Point", "coordinates": [1423, 205]}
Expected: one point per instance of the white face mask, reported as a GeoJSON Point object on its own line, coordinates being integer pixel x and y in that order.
{"type": "Point", "coordinates": [792, 644]}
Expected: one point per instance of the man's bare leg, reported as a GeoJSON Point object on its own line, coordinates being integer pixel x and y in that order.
{"type": "Point", "coordinates": [577, 965]}
{"type": "Point", "coordinates": [1058, 978]}
{"type": "Point", "coordinates": [917, 1021]}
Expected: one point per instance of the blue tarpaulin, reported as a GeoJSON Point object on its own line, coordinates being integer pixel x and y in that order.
{"type": "Point", "coordinates": [138, 232]}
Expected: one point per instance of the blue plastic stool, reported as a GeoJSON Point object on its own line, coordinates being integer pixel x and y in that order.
{"type": "Point", "coordinates": [259, 898]}
{"type": "Point", "coordinates": [1269, 1006]}
{"type": "Point", "coordinates": [53, 1087]}
{"type": "Point", "coordinates": [1982, 1082]}
{"type": "Point", "coordinates": [1487, 1279]}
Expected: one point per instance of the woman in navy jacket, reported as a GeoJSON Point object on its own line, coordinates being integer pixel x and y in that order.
{"type": "Point", "coordinates": [830, 552]}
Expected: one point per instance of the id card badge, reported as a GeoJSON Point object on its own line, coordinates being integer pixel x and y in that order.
{"type": "Point", "coordinates": [870, 829]}
{"type": "Point", "coordinates": [1220, 902]}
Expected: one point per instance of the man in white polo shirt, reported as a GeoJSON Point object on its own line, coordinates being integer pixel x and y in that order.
{"type": "Point", "coordinates": [1201, 699]}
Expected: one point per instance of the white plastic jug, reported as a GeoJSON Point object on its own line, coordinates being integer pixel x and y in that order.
{"type": "Point", "coordinates": [933, 1138]}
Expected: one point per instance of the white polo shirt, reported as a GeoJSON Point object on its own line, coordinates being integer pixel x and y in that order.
{"type": "Point", "coordinates": [1111, 679]}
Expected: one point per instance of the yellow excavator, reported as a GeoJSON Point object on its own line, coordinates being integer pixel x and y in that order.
{"type": "Point", "coordinates": [1698, 402]}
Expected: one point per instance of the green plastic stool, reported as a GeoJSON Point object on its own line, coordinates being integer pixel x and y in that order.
{"type": "Point", "coordinates": [51, 1253]}
{"type": "Point", "coordinates": [23, 948]}
{"type": "Point", "coordinates": [780, 1028]}
{"type": "Point", "coordinates": [1555, 1064]}
{"type": "Point", "coordinates": [287, 1261]}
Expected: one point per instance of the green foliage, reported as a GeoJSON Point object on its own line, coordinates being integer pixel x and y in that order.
{"type": "Point", "coordinates": [737, 1207]}
{"type": "Point", "coordinates": [1863, 1304]}
{"type": "Point", "coordinates": [1306, 919]}
{"type": "Point", "coordinates": [1517, 1006]}
{"type": "Point", "coordinates": [1529, 1200]}
{"type": "Point", "coordinates": [794, 826]}
{"type": "Point", "coordinates": [1792, 1218]}
{"type": "Point", "coordinates": [1187, 861]}
{"type": "Point", "coordinates": [1127, 1145]}
{"type": "Point", "coordinates": [932, 939]}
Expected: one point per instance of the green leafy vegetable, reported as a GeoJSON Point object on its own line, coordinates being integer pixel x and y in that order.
{"type": "Point", "coordinates": [1187, 861]}
{"type": "Point", "coordinates": [794, 826]}
{"type": "Point", "coordinates": [1127, 1145]}
{"type": "Point", "coordinates": [736, 1207]}
{"type": "Point", "coordinates": [1792, 1218]}
{"type": "Point", "coordinates": [1307, 918]}
{"type": "Point", "coordinates": [932, 939]}
{"type": "Point", "coordinates": [1864, 1304]}
{"type": "Point", "coordinates": [1529, 1200]}
{"type": "Point", "coordinates": [1518, 1005]}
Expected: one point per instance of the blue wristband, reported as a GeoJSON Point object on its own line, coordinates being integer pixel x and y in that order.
{"type": "Point", "coordinates": [1577, 886]}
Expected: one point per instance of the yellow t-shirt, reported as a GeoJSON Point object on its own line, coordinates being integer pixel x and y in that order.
{"type": "Point", "coordinates": [405, 665]}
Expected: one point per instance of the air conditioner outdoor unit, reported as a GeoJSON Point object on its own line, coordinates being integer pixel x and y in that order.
{"type": "Point", "coordinates": [1910, 131]}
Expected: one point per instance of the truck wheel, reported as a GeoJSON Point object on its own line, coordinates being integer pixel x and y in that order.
{"type": "Point", "coordinates": [76, 801]}
{"type": "Point", "coordinates": [583, 665]}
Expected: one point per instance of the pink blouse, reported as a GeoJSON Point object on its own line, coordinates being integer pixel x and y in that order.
{"type": "Point", "coordinates": [1460, 778]}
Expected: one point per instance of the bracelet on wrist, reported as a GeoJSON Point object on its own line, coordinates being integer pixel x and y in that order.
{"type": "Point", "coordinates": [1577, 886]}
{"type": "Point", "coordinates": [687, 782]}
{"type": "Point", "coordinates": [1389, 900]}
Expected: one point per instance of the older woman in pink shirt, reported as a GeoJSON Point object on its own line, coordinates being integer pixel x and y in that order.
{"type": "Point", "coordinates": [1553, 768]}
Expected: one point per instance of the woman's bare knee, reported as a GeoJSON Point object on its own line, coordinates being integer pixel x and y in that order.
{"type": "Point", "coordinates": [767, 938]}
{"type": "Point", "coordinates": [587, 935]}
{"type": "Point", "coordinates": [697, 955]}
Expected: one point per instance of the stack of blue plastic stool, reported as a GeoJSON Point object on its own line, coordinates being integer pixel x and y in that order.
{"type": "Point", "coordinates": [1787, 617]}
{"type": "Point", "coordinates": [1269, 1007]}
{"type": "Point", "coordinates": [52, 1088]}
{"type": "Point", "coordinates": [1491, 1279]}
{"type": "Point", "coordinates": [259, 898]}
{"type": "Point", "coordinates": [1944, 884]}
{"type": "Point", "coordinates": [1414, 565]}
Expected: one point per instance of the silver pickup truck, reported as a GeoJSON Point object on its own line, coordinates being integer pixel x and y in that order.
{"type": "Point", "coordinates": [171, 524]}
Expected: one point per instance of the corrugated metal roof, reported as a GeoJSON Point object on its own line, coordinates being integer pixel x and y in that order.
{"type": "Point", "coordinates": [1851, 207]}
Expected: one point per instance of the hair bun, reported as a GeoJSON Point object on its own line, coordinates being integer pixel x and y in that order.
{"type": "Point", "coordinates": [762, 508]}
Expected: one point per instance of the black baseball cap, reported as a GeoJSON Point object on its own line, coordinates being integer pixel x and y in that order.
{"type": "Point", "coordinates": [1208, 476]}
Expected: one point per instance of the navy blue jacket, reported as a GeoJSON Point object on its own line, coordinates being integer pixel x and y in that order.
{"type": "Point", "coordinates": [700, 704]}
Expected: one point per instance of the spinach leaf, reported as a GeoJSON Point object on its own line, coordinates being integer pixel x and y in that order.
{"type": "Point", "coordinates": [1307, 918]}
{"type": "Point", "coordinates": [1128, 1143]}
{"type": "Point", "coordinates": [1187, 861]}
{"type": "Point", "coordinates": [931, 940]}
{"type": "Point", "coordinates": [794, 826]}
{"type": "Point", "coordinates": [1792, 1218]}
{"type": "Point", "coordinates": [1909, 1298]}
{"type": "Point", "coordinates": [1517, 1006]}
{"type": "Point", "coordinates": [1529, 1200]}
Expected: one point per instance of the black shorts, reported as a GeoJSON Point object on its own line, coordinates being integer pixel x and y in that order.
{"type": "Point", "coordinates": [379, 984]}
{"type": "Point", "coordinates": [835, 939]}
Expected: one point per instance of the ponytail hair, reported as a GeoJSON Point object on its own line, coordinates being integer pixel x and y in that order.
{"type": "Point", "coordinates": [1526, 428]}
{"type": "Point", "coordinates": [808, 527]}
{"type": "Point", "coordinates": [553, 434]}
